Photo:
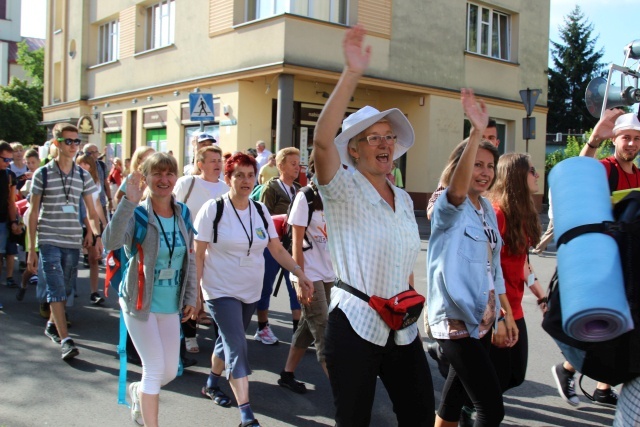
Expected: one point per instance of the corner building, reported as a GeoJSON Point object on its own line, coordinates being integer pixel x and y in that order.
{"type": "Point", "coordinates": [270, 65]}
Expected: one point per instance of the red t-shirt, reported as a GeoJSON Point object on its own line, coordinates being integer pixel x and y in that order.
{"type": "Point", "coordinates": [625, 180]}
{"type": "Point", "coordinates": [512, 270]}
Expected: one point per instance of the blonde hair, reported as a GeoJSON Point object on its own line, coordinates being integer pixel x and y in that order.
{"type": "Point", "coordinates": [17, 146]}
{"type": "Point", "coordinates": [88, 160]}
{"type": "Point", "coordinates": [62, 127]}
{"type": "Point", "coordinates": [282, 154]}
{"type": "Point", "coordinates": [159, 162]}
{"type": "Point", "coordinates": [200, 155]}
{"type": "Point", "coordinates": [136, 159]}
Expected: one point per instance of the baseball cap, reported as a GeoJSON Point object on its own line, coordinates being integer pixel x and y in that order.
{"type": "Point", "coordinates": [205, 136]}
{"type": "Point", "coordinates": [627, 121]}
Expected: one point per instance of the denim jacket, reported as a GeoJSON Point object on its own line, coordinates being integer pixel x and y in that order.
{"type": "Point", "coordinates": [458, 285]}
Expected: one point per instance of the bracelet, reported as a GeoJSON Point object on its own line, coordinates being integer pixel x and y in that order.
{"type": "Point", "coordinates": [593, 146]}
{"type": "Point", "coordinates": [542, 300]}
{"type": "Point", "coordinates": [501, 319]}
{"type": "Point", "coordinates": [295, 268]}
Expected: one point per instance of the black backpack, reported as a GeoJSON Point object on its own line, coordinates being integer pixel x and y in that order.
{"type": "Point", "coordinates": [617, 360]}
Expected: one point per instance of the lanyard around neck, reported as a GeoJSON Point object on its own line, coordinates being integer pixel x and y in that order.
{"type": "Point", "coordinates": [249, 235]}
{"type": "Point", "coordinates": [166, 239]}
{"type": "Point", "coordinates": [64, 179]}
{"type": "Point", "coordinates": [284, 188]}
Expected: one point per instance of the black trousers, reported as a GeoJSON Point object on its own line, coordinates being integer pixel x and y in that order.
{"type": "Point", "coordinates": [471, 370]}
{"type": "Point", "coordinates": [511, 363]}
{"type": "Point", "coordinates": [354, 365]}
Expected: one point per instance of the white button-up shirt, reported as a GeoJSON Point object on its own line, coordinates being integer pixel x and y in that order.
{"type": "Point", "coordinates": [373, 248]}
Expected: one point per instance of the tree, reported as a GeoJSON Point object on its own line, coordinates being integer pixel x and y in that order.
{"type": "Point", "coordinates": [21, 101]}
{"type": "Point", "coordinates": [575, 64]}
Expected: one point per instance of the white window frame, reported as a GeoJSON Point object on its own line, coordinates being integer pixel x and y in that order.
{"type": "Point", "coordinates": [160, 24]}
{"type": "Point", "coordinates": [493, 45]}
{"type": "Point", "coordinates": [108, 46]}
{"type": "Point", "coordinates": [263, 9]}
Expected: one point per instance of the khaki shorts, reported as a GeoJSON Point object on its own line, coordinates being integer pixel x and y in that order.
{"type": "Point", "coordinates": [314, 319]}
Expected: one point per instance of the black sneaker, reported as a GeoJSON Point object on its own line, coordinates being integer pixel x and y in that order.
{"type": "Point", "coordinates": [96, 299]}
{"type": "Point", "coordinates": [52, 332]}
{"type": "Point", "coordinates": [85, 261]}
{"type": "Point", "coordinates": [69, 350]}
{"type": "Point", "coordinates": [11, 283]}
{"type": "Point", "coordinates": [436, 354]}
{"type": "Point", "coordinates": [288, 380]}
{"type": "Point", "coordinates": [566, 384]}
{"type": "Point", "coordinates": [607, 397]}
{"type": "Point", "coordinates": [20, 294]}
{"type": "Point", "coordinates": [252, 423]}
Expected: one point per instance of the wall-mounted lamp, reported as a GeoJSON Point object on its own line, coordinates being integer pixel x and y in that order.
{"type": "Point", "coordinates": [95, 107]}
{"type": "Point", "coordinates": [196, 90]}
{"type": "Point", "coordinates": [149, 98]}
{"type": "Point", "coordinates": [72, 54]}
{"type": "Point", "coordinates": [421, 101]}
{"type": "Point", "coordinates": [323, 93]}
{"type": "Point", "coordinates": [96, 115]}
{"type": "Point", "coordinates": [134, 101]}
{"type": "Point", "coordinates": [106, 105]}
{"type": "Point", "coordinates": [176, 92]}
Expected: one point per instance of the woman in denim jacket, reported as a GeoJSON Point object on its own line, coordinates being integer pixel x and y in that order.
{"type": "Point", "coordinates": [466, 292]}
{"type": "Point", "coordinates": [151, 307]}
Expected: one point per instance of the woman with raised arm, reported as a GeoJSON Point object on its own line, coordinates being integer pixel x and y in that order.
{"type": "Point", "coordinates": [151, 305]}
{"type": "Point", "coordinates": [374, 244]}
{"type": "Point", "coordinates": [465, 290]}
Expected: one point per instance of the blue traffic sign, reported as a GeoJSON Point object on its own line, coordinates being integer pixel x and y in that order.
{"type": "Point", "coordinates": [201, 106]}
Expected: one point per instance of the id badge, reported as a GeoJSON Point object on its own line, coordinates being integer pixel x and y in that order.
{"type": "Point", "coordinates": [246, 261]}
{"type": "Point", "coordinates": [69, 209]}
{"type": "Point", "coordinates": [167, 274]}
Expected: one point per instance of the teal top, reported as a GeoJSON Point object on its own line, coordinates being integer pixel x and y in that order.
{"type": "Point", "coordinates": [166, 291]}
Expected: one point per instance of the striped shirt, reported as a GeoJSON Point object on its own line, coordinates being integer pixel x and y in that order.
{"type": "Point", "coordinates": [373, 248]}
{"type": "Point", "coordinates": [58, 223]}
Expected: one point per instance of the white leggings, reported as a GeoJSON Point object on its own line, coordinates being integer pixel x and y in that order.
{"type": "Point", "coordinates": [157, 340]}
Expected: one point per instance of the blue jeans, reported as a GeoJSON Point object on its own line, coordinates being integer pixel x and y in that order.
{"type": "Point", "coordinates": [271, 270]}
{"type": "Point", "coordinates": [59, 267]}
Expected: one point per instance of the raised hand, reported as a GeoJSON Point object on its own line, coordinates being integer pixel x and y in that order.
{"type": "Point", "coordinates": [135, 187]}
{"type": "Point", "coordinates": [476, 111]}
{"type": "Point", "coordinates": [604, 128]}
{"type": "Point", "coordinates": [355, 57]}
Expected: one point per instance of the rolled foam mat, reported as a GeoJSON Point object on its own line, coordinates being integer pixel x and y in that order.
{"type": "Point", "coordinates": [592, 293]}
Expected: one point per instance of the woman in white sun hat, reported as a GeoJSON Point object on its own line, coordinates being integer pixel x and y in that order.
{"type": "Point", "coordinates": [374, 244]}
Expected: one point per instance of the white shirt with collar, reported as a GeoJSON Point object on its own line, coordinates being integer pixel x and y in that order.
{"type": "Point", "coordinates": [373, 248]}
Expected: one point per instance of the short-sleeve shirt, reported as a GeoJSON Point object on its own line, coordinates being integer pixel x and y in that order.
{"type": "Point", "coordinates": [202, 192]}
{"type": "Point", "coordinates": [7, 180]}
{"type": "Point", "coordinates": [58, 223]}
{"type": "Point", "coordinates": [373, 248]}
{"type": "Point", "coordinates": [228, 270]}
{"type": "Point", "coordinates": [317, 260]}
{"type": "Point", "coordinates": [19, 172]}
{"type": "Point", "coordinates": [625, 180]}
{"type": "Point", "coordinates": [166, 292]}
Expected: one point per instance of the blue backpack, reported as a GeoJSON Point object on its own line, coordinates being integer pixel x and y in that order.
{"type": "Point", "coordinates": [117, 266]}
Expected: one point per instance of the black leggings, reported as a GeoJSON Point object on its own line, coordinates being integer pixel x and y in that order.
{"type": "Point", "coordinates": [511, 363]}
{"type": "Point", "coordinates": [471, 370]}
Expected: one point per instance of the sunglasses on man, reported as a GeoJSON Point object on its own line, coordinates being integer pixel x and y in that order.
{"type": "Point", "coordinates": [70, 141]}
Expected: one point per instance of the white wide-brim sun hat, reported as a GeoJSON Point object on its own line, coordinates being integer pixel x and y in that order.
{"type": "Point", "coordinates": [368, 116]}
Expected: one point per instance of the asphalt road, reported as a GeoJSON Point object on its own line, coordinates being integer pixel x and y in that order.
{"type": "Point", "coordinates": [39, 389]}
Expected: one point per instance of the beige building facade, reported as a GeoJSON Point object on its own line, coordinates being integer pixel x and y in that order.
{"type": "Point", "coordinates": [270, 65]}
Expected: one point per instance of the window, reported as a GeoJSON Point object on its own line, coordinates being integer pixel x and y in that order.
{"type": "Point", "coordinates": [161, 20]}
{"type": "Point", "coordinates": [488, 32]}
{"type": "Point", "coordinates": [108, 42]}
{"type": "Point", "coordinates": [3, 9]}
{"type": "Point", "coordinates": [189, 131]}
{"type": "Point", "coordinates": [324, 10]}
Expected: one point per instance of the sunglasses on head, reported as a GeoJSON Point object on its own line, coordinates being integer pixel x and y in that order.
{"type": "Point", "coordinates": [70, 141]}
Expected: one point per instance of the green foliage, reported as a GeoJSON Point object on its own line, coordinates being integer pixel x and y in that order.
{"type": "Point", "coordinates": [21, 101]}
{"type": "Point", "coordinates": [575, 64]}
{"type": "Point", "coordinates": [573, 148]}
{"type": "Point", "coordinates": [32, 62]}
{"type": "Point", "coordinates": [17, 120]}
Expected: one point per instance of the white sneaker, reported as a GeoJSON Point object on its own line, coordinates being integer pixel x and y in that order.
{"type": "Point", "coordinates": [136, 411]}
{"type": "Point", "coordinates": [266, 336]}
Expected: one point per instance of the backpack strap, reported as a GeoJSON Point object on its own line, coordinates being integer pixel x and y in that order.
{"type": "Point", "coordinates": [193, 181]}
{"type": "Point", "coordinates": [604, 227]}
{"type": "Point", "coordinates": [613, 176]}
{"type": "Point", "coordinates": [216, 220]}
{"type": "Point", "coordinates": [264, 219]}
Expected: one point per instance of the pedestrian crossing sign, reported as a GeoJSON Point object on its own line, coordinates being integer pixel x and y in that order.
{"type": "Point", "coordinates": [201, 106]}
